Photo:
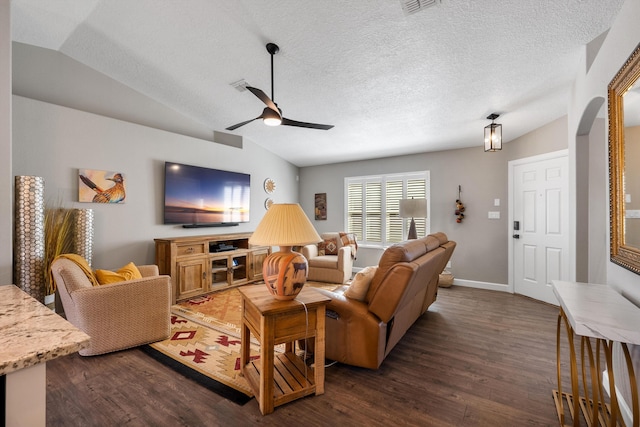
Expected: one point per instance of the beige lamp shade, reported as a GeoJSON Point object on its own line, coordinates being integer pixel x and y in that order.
{"type": "Point", "coordinates": [413, 208]}
{"type": "Point", "coordinates": [285, 225]}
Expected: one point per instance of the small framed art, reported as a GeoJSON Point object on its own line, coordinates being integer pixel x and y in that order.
{"type": "Point", "coordinates": [321, 206]}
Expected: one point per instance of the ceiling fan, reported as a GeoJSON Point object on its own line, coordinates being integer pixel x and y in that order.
{"type": "Point", "coordinates": [272, 115]}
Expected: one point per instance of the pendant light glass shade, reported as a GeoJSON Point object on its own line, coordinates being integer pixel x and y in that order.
{"type": "Point", "coordinates": [493, 135]}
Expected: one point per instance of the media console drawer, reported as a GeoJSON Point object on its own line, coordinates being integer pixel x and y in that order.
{"type": "Point", "coordinates": [192, 249]}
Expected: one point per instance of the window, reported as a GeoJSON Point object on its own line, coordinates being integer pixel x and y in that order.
{"type": "Point", "coordinates": [373, 206]}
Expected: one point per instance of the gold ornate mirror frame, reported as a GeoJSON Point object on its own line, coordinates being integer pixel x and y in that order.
{"type": "Point", "coordinates": [622, 254]}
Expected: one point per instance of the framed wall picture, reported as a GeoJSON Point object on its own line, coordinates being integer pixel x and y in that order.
{"type": "Point", "coordinates": [101, 186]}
{"type": "Point", "coordinates": [321, 206]}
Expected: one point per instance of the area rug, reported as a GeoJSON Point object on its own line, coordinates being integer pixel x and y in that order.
{"type": "Point", "coordinates": [204, 344]}
{"type": "Point", "coordinates": [205, 355]}
{"type": "Point", "coordinates": [220, 310]}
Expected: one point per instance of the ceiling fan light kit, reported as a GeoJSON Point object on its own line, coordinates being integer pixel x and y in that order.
{"type": "Point", "coordinates": [270, 117]}
{"type": "Point", "coordinates": [272, 114]}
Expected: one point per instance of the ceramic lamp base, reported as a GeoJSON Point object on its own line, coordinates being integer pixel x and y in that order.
{"type": "Point", "coordinates": [412, 230]}
{"type": "Point", "coordinates": [285, 273]}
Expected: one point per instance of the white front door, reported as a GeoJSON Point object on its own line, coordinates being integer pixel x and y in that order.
{"type": "Point", "coordinates": [540, 224]}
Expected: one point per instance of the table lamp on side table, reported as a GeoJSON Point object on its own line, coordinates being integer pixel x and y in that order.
{"type": "Point", "coordinates": [285, 225]}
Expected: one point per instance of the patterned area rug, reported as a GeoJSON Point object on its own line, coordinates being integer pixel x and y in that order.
{"type": "Point", "coordinates": [204, 344]}
{"type": "Point", "coordinates": [205, 355]}
{"type": "Point", "coordinates": [221, 310]}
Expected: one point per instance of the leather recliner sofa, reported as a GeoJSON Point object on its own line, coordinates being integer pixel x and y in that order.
{"type": "Point", "coordinates": [405, 284]}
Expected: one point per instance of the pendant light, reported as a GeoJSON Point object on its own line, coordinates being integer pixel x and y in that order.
{"type": "Point", "coordinates": [493, 134]}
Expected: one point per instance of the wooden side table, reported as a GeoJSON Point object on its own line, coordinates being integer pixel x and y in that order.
{"type": "Point", "coordinates": [279, 378]}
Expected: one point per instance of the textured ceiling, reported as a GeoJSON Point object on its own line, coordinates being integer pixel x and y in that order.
{"type": "Point", "coordinates": [391, 84]}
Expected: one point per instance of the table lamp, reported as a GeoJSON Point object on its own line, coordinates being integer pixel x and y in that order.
{"type": "Point", "coordinates": [413, 208]}
{"type": "Point", "coordinates": [285, 225]}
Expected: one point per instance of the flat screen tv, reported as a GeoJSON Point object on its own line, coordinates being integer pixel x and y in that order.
{"type": "Point", "coordinates": [199, 197]}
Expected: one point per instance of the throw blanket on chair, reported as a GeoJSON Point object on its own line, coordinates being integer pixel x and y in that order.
{"type": "Point", "coordinates": [349, 239]}
{"type": "Point", "coordinates": [80, 262]}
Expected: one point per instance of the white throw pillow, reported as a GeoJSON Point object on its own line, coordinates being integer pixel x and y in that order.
{"type": "Point", "coordinates": [360, 284]}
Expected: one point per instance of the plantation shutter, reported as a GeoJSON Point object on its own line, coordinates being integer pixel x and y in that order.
{"type": "Point", "coordinates": [394, 221]}
{"type": "Point", "coordinates": [373, 204]}
{"type": "Point", "coordinates": [417, 188]}
{"type": "Point", "coordinates": [355, 209]}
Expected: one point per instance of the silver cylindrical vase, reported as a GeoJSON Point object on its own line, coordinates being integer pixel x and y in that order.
{"type": "Point", "coordinates": [29, 235]}
{"type": "Point", "coordinates": [83, 238]}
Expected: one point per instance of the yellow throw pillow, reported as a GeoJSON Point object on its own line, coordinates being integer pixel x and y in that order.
{"type": "Point", "coordinates": [360, 284]}
{"type": "Point", "coordinates": [128, 272]}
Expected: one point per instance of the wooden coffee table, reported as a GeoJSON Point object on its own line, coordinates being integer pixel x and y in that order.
{"type": "Point", "coordinates": [279, 378]}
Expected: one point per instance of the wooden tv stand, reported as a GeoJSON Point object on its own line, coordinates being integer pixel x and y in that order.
{"type": "Point", "coordinates": [198, 265]}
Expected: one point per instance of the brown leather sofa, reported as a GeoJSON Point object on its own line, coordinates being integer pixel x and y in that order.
{"type": "Point", "coordinates": [362, 333]}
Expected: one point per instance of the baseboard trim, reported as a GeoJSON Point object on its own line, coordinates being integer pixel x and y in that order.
{"type": "Point", "coordinates": [625, 410]}
{"type": "Point", "coordinates": [481, 285]}
{"type": "Point", "coordinates": [469, 283]}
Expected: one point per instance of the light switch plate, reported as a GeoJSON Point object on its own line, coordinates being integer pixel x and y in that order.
{"type": "Point", "coordinates": [632, 213]}
{"type": "Point", "coordinates": [494, 215]}
{"type": "Point", "coordinates": [496, 202]}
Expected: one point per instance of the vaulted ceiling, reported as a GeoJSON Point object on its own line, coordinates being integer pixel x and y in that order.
{"type": "Point", "coordinates": [391, 83]}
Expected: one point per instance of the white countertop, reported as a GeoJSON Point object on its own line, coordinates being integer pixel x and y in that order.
{"type": "Point", "coordinates": [598, 311]}
{"type": "Point", "coordinates": [31, 333]}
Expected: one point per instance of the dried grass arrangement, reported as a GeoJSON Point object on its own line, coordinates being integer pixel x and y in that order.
{"type": "Point", "coordinates": [59, 232]}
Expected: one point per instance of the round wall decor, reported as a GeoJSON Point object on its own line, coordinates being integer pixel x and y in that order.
{"type": "Point", "coordinates": [268, 203]}
{"type": "Point", "coordinates": [269, 185]}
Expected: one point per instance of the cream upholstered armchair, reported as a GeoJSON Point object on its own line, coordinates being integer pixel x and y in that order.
{"type": "Point", "coordinates": [331, 260]}
{"type": "Point", "coordinates": [118, 315]}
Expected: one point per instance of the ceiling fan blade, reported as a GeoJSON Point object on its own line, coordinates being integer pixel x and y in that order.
{"type": "Point", "coordinates": [268, 113]}
{"type": "Point", "coordinates": [289, 122]}
{"type": "Point", "coordinates": [264, 98]}
{"type": "Point", "coordinates": [234, 127]}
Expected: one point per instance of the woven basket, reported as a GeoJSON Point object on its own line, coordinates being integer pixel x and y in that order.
{"type": "Point", "coordinates": [445, 280]}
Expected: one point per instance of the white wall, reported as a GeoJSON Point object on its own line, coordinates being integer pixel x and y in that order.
{"type": "Point", "coordinates": [6, 178]}
{"type": "Point", "coordinates": [622, 39]}
{"type": "Point", "coordinates": [598, 203]}
{"type": "Point", "coordinates": [482, 250]}
{"type": "Point", "coordinates": [620, 42]}
{"type": "Point", "coordinates": [54, 142]}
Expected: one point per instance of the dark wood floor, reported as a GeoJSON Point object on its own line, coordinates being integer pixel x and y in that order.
{"type": "Point", "coordinates": [476, 358]}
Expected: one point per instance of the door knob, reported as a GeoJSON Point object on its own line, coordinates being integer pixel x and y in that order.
{"type": "Point", "coordinates": [516, 236]}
